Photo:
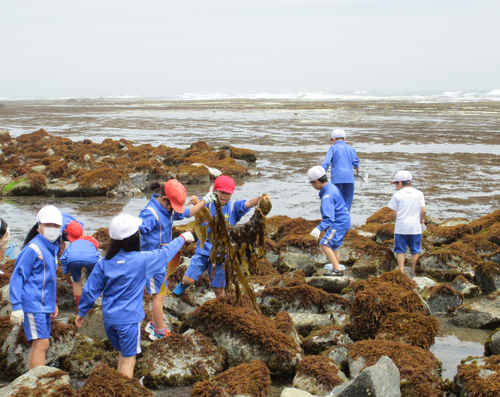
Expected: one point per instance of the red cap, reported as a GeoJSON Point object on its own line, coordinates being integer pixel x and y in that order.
{"type": "Point", "coordinates": [74, 231]}
{"type": "Point", "coordinates": [92, 240]}
{"type": "Point", "coordinates": [224, 183]}
{"type": "Point", "coordinates": [177, 195]}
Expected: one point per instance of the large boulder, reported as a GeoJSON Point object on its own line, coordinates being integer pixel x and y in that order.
{"type": "Point", "coordinates": [246, 336]}
{"type": "Point", "coordinates": [442, 298]}
{"type": "Point", "coordinates": [449, 261]}
{"type": "Point", "coordinates": [318, 375]}
{"type": "Point", "coordinates": [487, 276]}
{"type": "Point", "coordinates": [93, 325]}
{"type": "Point", "coordinates": [252, 379]}
{"type": "Point", "coordinates": [40, 381]}
{"type": "Point", "coordinates": [485, 222]}
{"type": "Point", "coordinates": [305, 323]}
{"type": "Point", "coordinates": [379, 380]}
{"type": "Point", "coordinates": [366, 256]}
{"type": "Point", "coordinates": [290, 261]}
{"type": "Point", "coordinates": [326, 337]}
{"type": "Point", "coordinates": [492, 345]}
{"type": "Point", "coordinates": [419, 370]}
{"type": "Point", "coordinates": [16, 348]}
{"type": "Point", "coordinates": [444, 234]}
{"type": "Point", "coordinates": [478, 376]}
{"type": "Point", "coordinates": [468, 289]}
{"type": "Point", "coordinates": [180, 360]}
{"type": "Point", "coordinates": [330, 284]}
{"type": "Point", "coordinates": [482, 313]}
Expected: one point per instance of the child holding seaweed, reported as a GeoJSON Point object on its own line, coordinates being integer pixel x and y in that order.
{"type": "Point", "coordinates": [120, 276]}
{"type": "Point", "coordinates": [156, 231]}
{"type": "Point", "coordinates": [33, 283]}
{"type": "Point", "coordinates": [233, 211]}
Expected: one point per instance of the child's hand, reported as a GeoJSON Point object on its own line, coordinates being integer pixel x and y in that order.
{"type": "Point", "coordinates": [188, 237]}
{"type": "Point", "coordinates": [79, 321]}
{"type": "Point", "coordinates": [56, 312]}
{"type": "Point", "coordinates": [67, 277]}
{"type": "Point", "coordinates": [193, 200]}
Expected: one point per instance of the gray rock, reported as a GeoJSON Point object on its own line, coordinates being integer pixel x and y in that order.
{"type": "Point", "coordinates": [329, 338]}
{"type": "Point", "coordinates": [93, 325]}
{"type": "Point", "coordinates": [487, 276]}
{"type": "Point", "coordinates": [197, 356]}
{"type": "Point", "coordinates": [454, 222]}
{"type": "Point", "coordinates": [433, 262]}
{"type": "Point", "coordinates": [467, 288]}
{"type": "Point", "coordinates": [214, 172]}
{"type": "Point", "coordinates": [243, 163]}
{"type": "Point", "coordinates": [138, 179]}
{"type": "Point", "coordinates": [5, 180]}
{"type": "Point", "coordinates": [443, 300]}
{"type": "Point", "coordinates": [86, 157]}
{"type": "Point", "coordinates": [495, 343]}
{"type": "Point", "coordinates": [481, 313]}
{"type": "Point", "coordinates": [38, 378]}
{"type": "Point", "coordinates": [305, 323]}
{"type": "Point", "coordinates": [337, 353]}
{"type": "Point", "coordinates": [50, 152]}
{"type": "Point", "coordinates": [39, 168]}
{"type": "Point", "coordinates": [290, 261]}
{"type": "Point", "coordinates": [314, 386]}
{"type": "Point", "coordinates": [292, 392]}
{"type": "Point", "coordinates": [423, 282]}
{"type": "Point", "coordinates": [479, 379]}
{"type": "Point", "coordinates": [379, 380]}
{"type": "Point", "coordinates": [5, 306]}
{"type": "Point", "coordinates": [272, 257]}
{"type": "Point", "coordinates": [330, 284]}
{"type": "Point", "coordinates": [318, 258]}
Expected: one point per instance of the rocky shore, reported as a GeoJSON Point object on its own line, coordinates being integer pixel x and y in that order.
{"type": "Point", "coordinates": [370, 330]}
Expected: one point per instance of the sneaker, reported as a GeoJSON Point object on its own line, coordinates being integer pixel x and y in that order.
{"type": "Point", "coordinates": [159, 334]}
{"type": "Point", "coordinates": [150, 327]}
{"type": "Point", "coordinates": [413, 274]}
{"type": "Point", "coordinates": [330, 267]}
{"type": "Point", "coordinates": [179, 290]}
{"type": "Point", "coordinates": [335, 273]}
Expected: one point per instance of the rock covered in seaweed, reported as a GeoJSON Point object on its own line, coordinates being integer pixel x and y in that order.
{"type": "Point", "coordinates": [487, 276]}
{"type": "Point", "coordinates": [442, 298]}
{"type": "Point", "coordinates": [248, 379]}
{"type": "Point", "coordinates": [180, 360]}
{"type": "Point", "coordinates": [246, 336]}
{"type": "Point", "coordinates": [40, 381]}
{"type": "Point", "coordinates": [464, 286]}
{"type": "Point", "coordinates": [318, 375]}
{"type": "Point", "coordinates": [419, 370]}
{"type": "Point", "coordinates": [325, 338]}
{"type": "Point", "coordinates": [482, 313]}
{"type": "Point", "coordinates": [479, 376]}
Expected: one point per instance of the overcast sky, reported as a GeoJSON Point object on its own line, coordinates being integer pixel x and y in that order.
{"type": "Point", "coordinates": [67, 48]}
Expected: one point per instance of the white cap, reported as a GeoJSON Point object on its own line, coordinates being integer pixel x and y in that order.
{"type": "Point", "coordinates": [338, 133]}
{"type": "Point", "coordinates": [402, 176]}
{"type": "Point", "coordinates": [123, 226]}
{"type": "Point", "coordinates": [314, 173]}
{"type": "Point", "coordinates": [49, 214]}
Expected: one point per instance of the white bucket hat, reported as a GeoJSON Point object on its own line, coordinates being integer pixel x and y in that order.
{"type": "Point", "coordinates": [123, 226]}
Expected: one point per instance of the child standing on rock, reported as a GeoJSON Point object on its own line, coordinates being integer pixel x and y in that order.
{"type": "Point", "coordinates": [336, 219]}
{"type": "Point", "coordinates": [408, 205]}
{"type": "Point", "coordinates": [121, 275]}
{"type": "Point", "coordinates": [82, 252]}
{"type": "Point", "coordinates": [233, 211]}
{"type": "Point", "coordinates": [33, 283]}
{"type": "Point", "coordinates": [156, 231]}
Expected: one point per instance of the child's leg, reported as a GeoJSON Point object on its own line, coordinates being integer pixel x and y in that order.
{"type": "Point", "coordinates": [199, 263]}
{"type": "Point", "coordinates": [414, 243]}
{"type": "Point", "coordinates": [219, 292]}
{"type": "Point", "coordinates": [126, 365]}
{"type": "Point", "coordinates": [218, 282]}
{"type": "Point", "coordinates": [414, 260]}
{"type": "Point", "coordinates": [401, 262]}
{"type": "Point", "coordinates": [400, 244]}
{"type": "Point", "coordinates": [158, 311]}
{"type": "Point", "coordinates": [76, 275]}
{"type": "Point", "coordinates": [38, 350]}
{"type": "Point", "coordinates": [332, 256]}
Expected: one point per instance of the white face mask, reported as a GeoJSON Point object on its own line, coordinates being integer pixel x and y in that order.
{"type": "Point", "coordinates": [51, 233]}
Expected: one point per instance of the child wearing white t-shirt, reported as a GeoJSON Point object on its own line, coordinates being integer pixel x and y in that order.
{"type": "Point", "coordinates": [408, 205]}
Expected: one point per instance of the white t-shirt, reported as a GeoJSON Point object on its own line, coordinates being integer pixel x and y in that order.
{"type": "Point", "coordinates": [407, 202]}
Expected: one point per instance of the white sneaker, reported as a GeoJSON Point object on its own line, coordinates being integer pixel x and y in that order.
{"type": "Point", "coordinates": [150, 327]}
{"type": "Point", "coordinates": [329, 266]}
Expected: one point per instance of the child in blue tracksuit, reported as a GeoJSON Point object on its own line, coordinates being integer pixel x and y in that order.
{"type": "Point", "coordinates": [33, 283]}
{"type": "Point", "coordinates": [83, 252]}
{"type": "Point", "coordinates": [342, 159]}
{"type": "Point", "coordinates": [336, 220]}
{"type": "Point", "coordinates": [233, 211]}
{"type": "Point", "coordinates": [156, 231]}
{"type": "Point", "coordinates": [67, 219]}
{"type": "Point", "coordinates": [120, 276]}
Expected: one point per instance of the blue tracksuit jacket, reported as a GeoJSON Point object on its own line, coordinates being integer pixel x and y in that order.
{"type": "Point", "coordinates": [333, 209]}
{"type": "Point", "coordinates": [233, 211]}
{"type": "Point", "coordinates": [82, 252]}
{"type": "Point", "coordinates": [151, 227]}
{"type": "Point", "coordinates": [122, 280]}
{"type": "Point", "coordinates": [33, 284]}
{"type": "Point", "coordinates": [342, 158]}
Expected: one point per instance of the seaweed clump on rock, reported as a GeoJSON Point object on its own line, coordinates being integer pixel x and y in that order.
{"type": "Point", "coordinates": [376, 298]}
{"type": "Point", "coordinates": [419, 369]}
{"type": "Point", "coordinates": [107, 382]}
{"type": "Point", "coordinates": [479, 377]}
{"type": "Point", "coordinates": [252, 379]}
{"type": "Point", "coordinates": [318, 375]}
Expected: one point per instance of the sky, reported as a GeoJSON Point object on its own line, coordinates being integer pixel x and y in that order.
{"type": "Point", "coordinates": [56, 48]}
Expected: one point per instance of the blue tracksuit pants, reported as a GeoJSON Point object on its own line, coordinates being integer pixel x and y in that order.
{"type": "Point", "coordinates": [347, 190]}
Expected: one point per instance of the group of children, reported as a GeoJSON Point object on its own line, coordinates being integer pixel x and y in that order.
{"type": "Point", "coordinates": [140, 248]}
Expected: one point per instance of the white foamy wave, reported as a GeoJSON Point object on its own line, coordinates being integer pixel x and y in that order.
{"type": "Point", "coordinates": [494, 93]}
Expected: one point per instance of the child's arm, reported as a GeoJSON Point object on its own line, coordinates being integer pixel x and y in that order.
{"type": "Point", "coordinates": [253, 202]}
{"type": "Point", "coordinates": [157, 259]}
{"type": "Point", "coordinates": [22, 270]}
{"type": "Point", "coordinates": [355, 162]}
{"type": "Point", "coordinates": [328, 159]}
{"type": "Point", "coordinates": [328, 213]}
{"type": "Point", "coordinates": [148, 221]}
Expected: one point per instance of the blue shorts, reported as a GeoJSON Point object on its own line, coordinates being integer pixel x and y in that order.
{"type": "Point", "coordinates": [153, 286]}
{"type": "Point", "coordinates": [199, 264]}
{"type": "Point", "coordinates": [37, 325]}
{"type": "Point", "coordinates": [126, 338]}
{"type": "Point", "coordinates": [401, 241]}
{"type": "Point", "coordinates": [75, 268]}
{"type": "Point", "coordinates": [333, 241]}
